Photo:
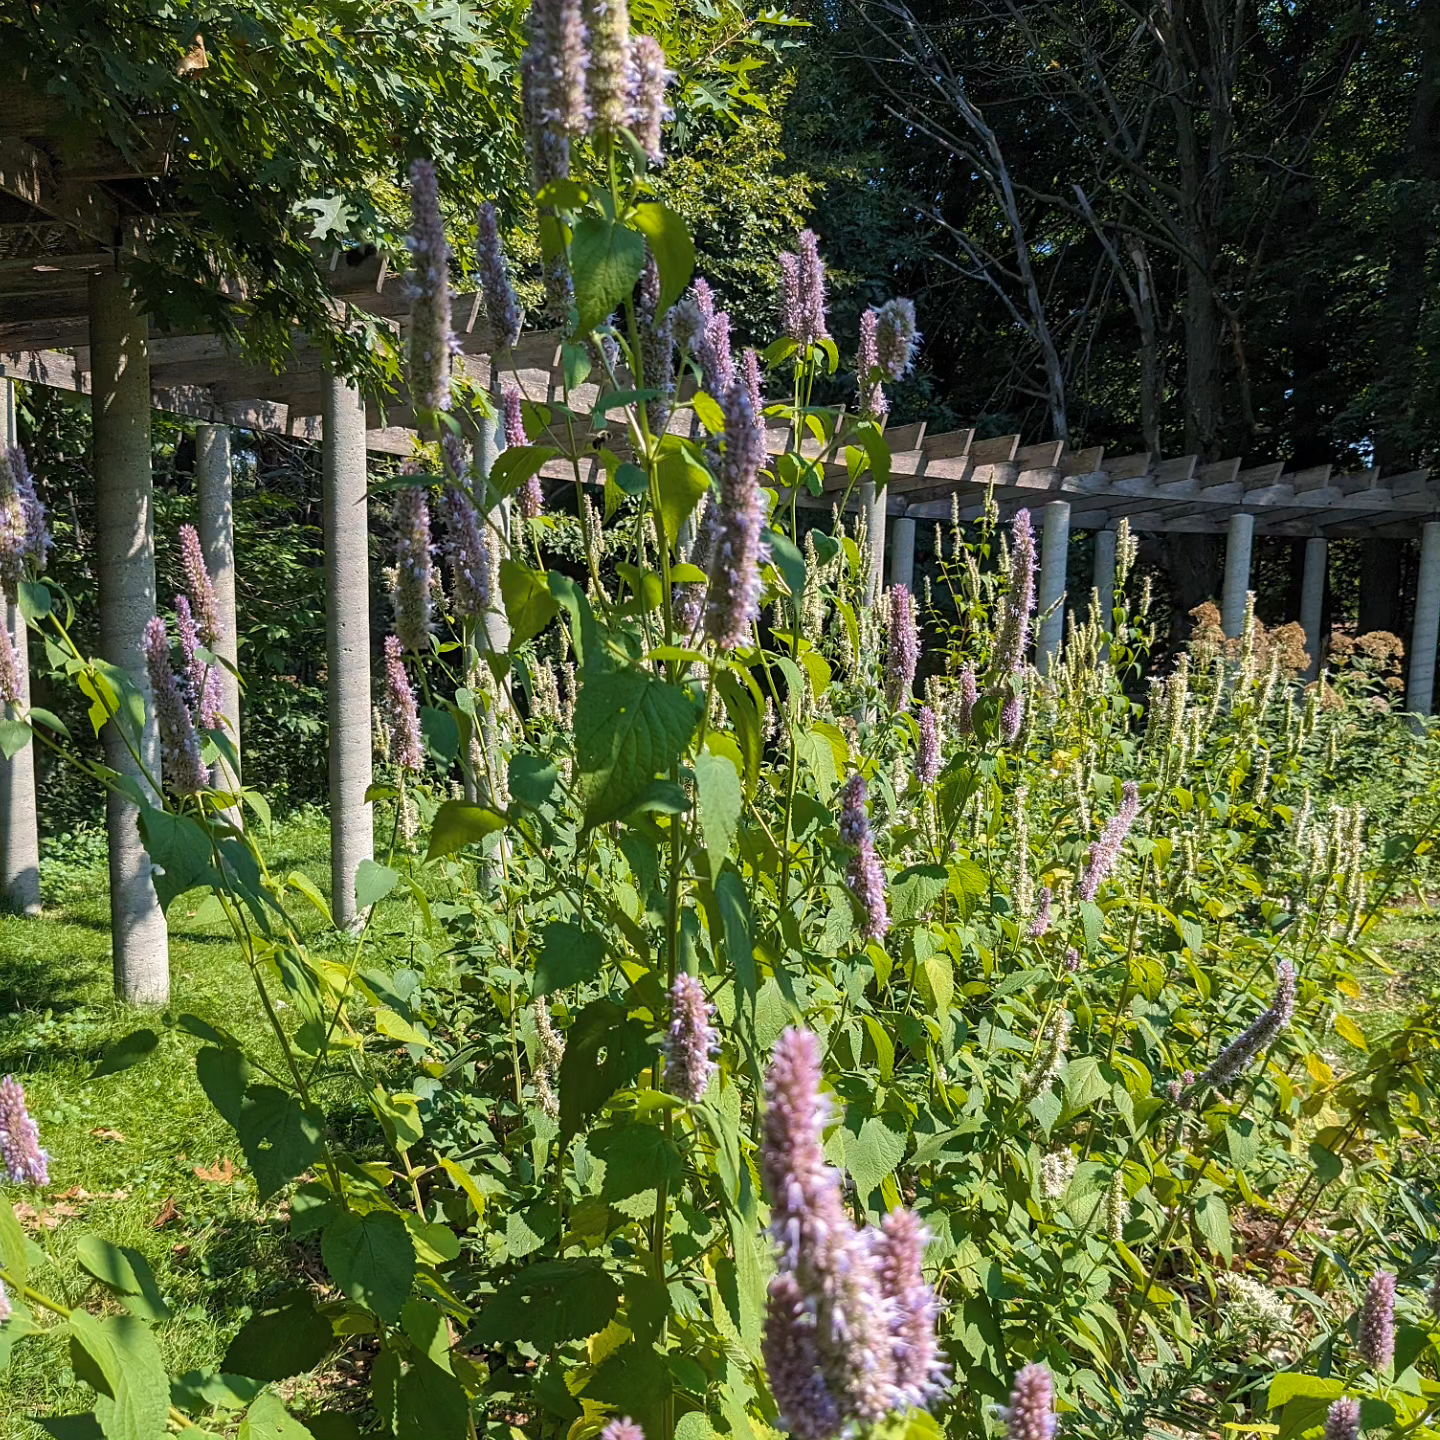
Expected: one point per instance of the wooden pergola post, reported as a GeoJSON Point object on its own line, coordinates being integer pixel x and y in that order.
{"type": "Point", "coordinates": [125, 554]}
{"type": "Point", "coordinates": [1425, 632]}
{"type": "Point", "coordinates": [1312, 600]}
{"type": "Point", "coordinates": [1054, 555]}
{"type": "Point", "coordinates": [347, 634]}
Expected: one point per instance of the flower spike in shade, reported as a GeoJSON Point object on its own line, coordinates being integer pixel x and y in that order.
{"type": "Point", "coordinates": [431, 342]}
{"type": "Point", "coordinates": [24, 538]}
{"type": "Point", "coordinates": [467, 553]}
{"type": "Point", "coordinates": [401, 709]}
{"type": "Point", "coordinates": [1258, 1035]}
{"type": "Point", "coordinates": [896, 338]}
{"type": "Point", "coordinates": [179, 745]}
{"type": "Point", "coordinates": [1031, 1412]}
{"type": "Point", "coordinates": [413, 567]}
{"type": "Point", "coordinates": [501, 304]}
{"type": "Point", "coordinates": [864, 875]}
{"type": "Point", "coordinates": [873, 401]}
{"type": "Point", "coordinates": [1376, 1331]}
{"type": "Point", "coordinates": [199, 587]}
{"type": "Point", "coordinates": [25, 1162]}
{"type": "Point", "coordinates": [691, 1041]}
{"type": "Point", "coordinates": [902, 651]}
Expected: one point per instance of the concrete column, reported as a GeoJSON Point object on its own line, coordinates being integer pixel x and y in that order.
{"type": "Point", "coordinates": [214, 485]}
{"type": "Point", "coordinates": [125, 554]}
{"type": "Point", "coordinates": [1237, 573]}
{"type": "Point", "coordinates": [902, 552]}
{"type": "Point", "coordinates": [1312, 601]}
{"type": "Point", "coordinates": [1054, 551]}
{"type": "Point", "coordinates": [1420, 692]}
{"type": "Point", "coordinates": [874, 507]}
{"type": "Point", "coordinates": [19, 824]}
{"type": "Point", "coordinates": [347, 639]}
{"type": "Point", "coordinates": [1105, 577]}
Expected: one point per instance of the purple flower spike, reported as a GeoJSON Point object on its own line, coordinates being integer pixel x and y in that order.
{"type": "Point", "coordinates": [1103, 854]}
{"type": "Point", "coordinates": [1376, 1337]}
{"type": "Point", "coordinates": [413, 555]}
{"type": "Point", "coordinates": [792, 324]}
{"type": "Point", "coordinates": [864, 874]}
{"type": "Point", "coordinates": [902, 652]}
{"type": "Point", "coordinates": [812, 288]}
{"type": "Point", "coordinates": [401, 709]}
{"type": "Point", "coordinates": [192, 668]}
{"type": "Point", "coordinates": [896, 338]}
{"type": "Point", "coordinates": [466, 553]}
{"type": "Point", "coordinates": [431, 342]}
{"type": "Point", "coordinates": [513, 403]}
{"type": "Point", "coordinates": [754, 388]}
{"type": "Point", "coordinates": [899, 1247]}
{"type": "Point", "coordinates": [24, 537]}
{"type": "Point", "coordinates": [501, 304]}
{"type": "Point", "coordinates": [199, 587]}
{"type": "Point", "coordinates": [1072, 959]}
{"type": "Point", "coordinates": [180, 765]}
{"type": "Point", "coordinates": [648, 109]}
{"type": "Point", "coordinates": [1041, 923]}
{"type": "Point", "coordinates": [1258, 1035]}
{"type": "Point", "coordinates": [25, 1162]}
{"type": "Point", "coordinates": [210, 712]}
{"type": "Point", "coordinates": [873, 401]}
{"type": "Point", "coordinates": [1342, 1420]}
{"type": "Point", "coordinates": [965, 718]}
{"type": "Point", "coordinates": [622, 1429]}
{"type": "Point", "coordinates": [1031, 1412]}
{"type": "Point", "coordinates": [927, 748]}
{"type": "Point", "coordinates": [691, 1041]}
{"type": "Point", "coordinates": [609, 79]}
{"type": "Point", "coordinates": [827, 1347]}
{"type": "Point", "coordinates": [555, 69]}
{"type": "Point", "coordinates": [737, 518]}
{"type": "Point", "coordinates": [1019, 605]}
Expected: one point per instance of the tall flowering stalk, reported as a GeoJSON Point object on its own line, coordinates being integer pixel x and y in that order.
{"type": "Point", "coordinates": [812, 288]}
{"type": "Point", "coordinates": [1104, 852]}
{"type": "Point", "coordinates": [24, 536]}
{"type": "Point", "coordinates": [401, 710]}
{"type": "Point", "coordinates": [466, 552]}
{"type": "Point", "coordinates": [501, 304]}
{"type": "Point", "coordinates": [555, 72]}
{"type": "Point", "coordinates": [431, 341]}
{"type": "Point", "coordinates": [737, 518]}
{"type": "Point", "coordinates": [896, 338]}
{"type": "Point", "coordinates": [927, 748]}
{"type": "Point", "coordinates": [647, 108]}
{"type": "Point", "coordinates": [691, 1040]}
{"type": "Point", "coordinates": [864, 874]}
{"type": "Point", "coordinates": [1342, 1419]}
{"type": "Point", "coordinates": [965, 705]}
{"type": "Point", "coordinates": [827, 1353]}
{"type": "Point", "coordinates": [1040, 923]}
{"type": "Point", "coordinates": [1376, 1330]}
{"type": "Point", "coordinates": [180, 763]}
{"type": "Point", "coordinates": [1017, 611]}
{"type": "Point", "coordinates": [902, 652]}
{"type": "Point", "coordinates": [609, 77]}
{"type": "Point", "coordinates": [413, 567]}
{"type": "Point", "coordinates": [1257, 1036]}
{"type": "Point", "coordinates": [872, 398]}
{"type": "Point", "coordinates": [199, 587]}
{"type": "Point", "coordinates": [622, 1429]}
{"type": "Point", "coordinates": [25, 1162]}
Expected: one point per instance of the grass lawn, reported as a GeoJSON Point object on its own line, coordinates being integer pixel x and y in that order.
{"type": "Point", "coordinates": [140, 1157]}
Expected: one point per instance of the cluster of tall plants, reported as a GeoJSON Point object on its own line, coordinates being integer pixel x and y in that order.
{"type": "Point", "coordinates": [836, 1025]}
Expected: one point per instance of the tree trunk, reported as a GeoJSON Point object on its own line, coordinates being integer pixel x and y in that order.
{"type": "Point", "coordinates": [125, 555]}
{"type": "Point", "coordinates": [213, 483]}
{"type": "Point", "coordinates": [1380, 568]}
{"type": "Point", "coordinates": [347, 631]}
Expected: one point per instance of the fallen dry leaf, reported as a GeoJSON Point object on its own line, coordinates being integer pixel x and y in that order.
{"type": "Point", "coordinates": [179, 1251]}
{"type": "Point", "coordinates": [101, 1133]}
{"type": "Point", "coordinates": [168, 1212]}
{"type": "Point", "coordinates": [222, 1172]}
{"type": "Point", "coordinates": [78, 1192]}
{"type": "Point", "coordinates": [52, 1217]}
